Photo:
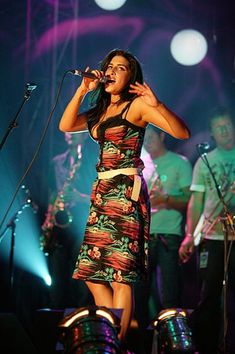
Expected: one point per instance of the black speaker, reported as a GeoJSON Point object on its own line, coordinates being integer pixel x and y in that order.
{"type": "Point", "coordinates": [13, 337]}
{"type": "Point", "coordinates": [46, 331]}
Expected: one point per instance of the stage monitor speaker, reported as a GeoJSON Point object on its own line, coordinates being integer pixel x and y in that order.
{"type": "Point", "coordinates": [46, 330]}
{"type": "Point", "coordinates": [14, 338]}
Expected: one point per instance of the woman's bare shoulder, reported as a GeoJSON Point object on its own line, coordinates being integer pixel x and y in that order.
{"type": "Point", "coordinates": [134, 114]}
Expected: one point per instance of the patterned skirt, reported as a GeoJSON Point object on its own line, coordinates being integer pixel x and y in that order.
{"type": "Point", "coordinates": [115, 245]}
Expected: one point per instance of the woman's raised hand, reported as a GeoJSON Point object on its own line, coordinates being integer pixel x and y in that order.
{"type": "Point", "coordinates": [90, 84]}
{"type": "Point", "coordinates": [145, 92]}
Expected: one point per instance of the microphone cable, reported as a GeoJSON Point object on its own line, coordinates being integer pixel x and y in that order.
{"type": "Point", "coordinates": [37, 149]}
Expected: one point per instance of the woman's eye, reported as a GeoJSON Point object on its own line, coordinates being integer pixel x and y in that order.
{"type": "Point", "coordinates": [116, 68]}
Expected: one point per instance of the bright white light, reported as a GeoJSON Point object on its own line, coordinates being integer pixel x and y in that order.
{"type": "Point", "coordinates": [110, 4]}
{"type": "Point", "coordinates": [47, 279]}
{"type": "Point", "coordinates": [188, 47]}
{"type": "Point", "coordinates": [106, 315]}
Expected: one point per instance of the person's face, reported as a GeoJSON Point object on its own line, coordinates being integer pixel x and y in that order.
{"type": "Point", "coordinates": [119, 72]}
{"type": "Point", "coordinates": [73, 140]}
{"type": "Point", "coordinates": [153, 142]}
{"type": "Point", "coordinates": [222, 130]}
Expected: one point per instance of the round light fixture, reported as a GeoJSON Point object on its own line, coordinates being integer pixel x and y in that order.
{"type": "Point", "coordinates": [90, 330]}
{"type": "Point", "coordinates": [188, 47]}
{"type": "Point", "coordinates": [110, 5]}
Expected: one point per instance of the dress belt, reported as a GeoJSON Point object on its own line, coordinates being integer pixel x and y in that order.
{"type": "Point", "coordinates": [128, 172]}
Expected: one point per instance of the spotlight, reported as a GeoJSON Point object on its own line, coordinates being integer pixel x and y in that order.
{"type": "Point", "coordinates": [110, 5]}
{"type": "Point", "coordinates": [90, 330]}
{"type": "Point", "coordinates": [173, 332]}
{"type": "Point", "coordinates": [188, 47]}
{"type": "Point", "coordinates": [48, 280]}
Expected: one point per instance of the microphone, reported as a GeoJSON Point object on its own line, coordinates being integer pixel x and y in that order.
{"type": "Point", "coordinates": [203, 146]}
{"type": "Point", "coordinates": [31, 86]}
{"type": "Point", "coordinates": [89, 75]}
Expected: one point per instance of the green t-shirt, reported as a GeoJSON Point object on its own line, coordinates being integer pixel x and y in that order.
{"type": "Point", "coordinates": [174, 173]}
{"type": "Point", "coordinates": [222, 164]}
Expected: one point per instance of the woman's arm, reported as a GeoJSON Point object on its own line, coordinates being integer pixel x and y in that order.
{"type": "Point", "coordinates": [71, 120]}
{"type": "Point", "coordinates": [154, 112]}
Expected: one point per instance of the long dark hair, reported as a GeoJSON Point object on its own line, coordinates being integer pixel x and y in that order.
{"type": "Point", "coordinates": [100, 99]}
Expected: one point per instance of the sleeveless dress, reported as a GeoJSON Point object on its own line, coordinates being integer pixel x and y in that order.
{"type": "Point", "coordinates": [116, 237]}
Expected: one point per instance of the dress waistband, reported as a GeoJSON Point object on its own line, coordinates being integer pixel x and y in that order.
{"type": "Point", "coordinates": [129, 171]}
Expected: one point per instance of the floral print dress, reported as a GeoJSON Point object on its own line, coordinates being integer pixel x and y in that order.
{"type": "Point", "coordinates": [116, 237]}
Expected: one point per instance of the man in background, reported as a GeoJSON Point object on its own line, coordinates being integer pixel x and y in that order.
{"type": "Point", "coordinates": [72, 173]}
{"type": "Point", "coordinates": [206, 319]}
{"type": "Point", "coordinates": [168, 175]}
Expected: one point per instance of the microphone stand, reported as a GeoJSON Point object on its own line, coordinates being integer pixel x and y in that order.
{"type": "Point", "coordinates": [227, 221]}
{"type": "Point", "coordinates": [12, 226]}
{"type": "Point", "coordinates": [13, 124]}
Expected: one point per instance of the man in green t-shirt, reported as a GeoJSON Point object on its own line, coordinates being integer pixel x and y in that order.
{"type": "Point", "coordinates": [168, 175]}
{"type": "Point", "coordinates": [206, 319]}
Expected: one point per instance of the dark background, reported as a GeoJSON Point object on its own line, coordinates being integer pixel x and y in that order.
{"type": "Point", "coordinates": [40, 40]}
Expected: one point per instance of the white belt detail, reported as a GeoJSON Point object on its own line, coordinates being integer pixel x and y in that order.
{"type": "Point", "coordinates": [128, 172]}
